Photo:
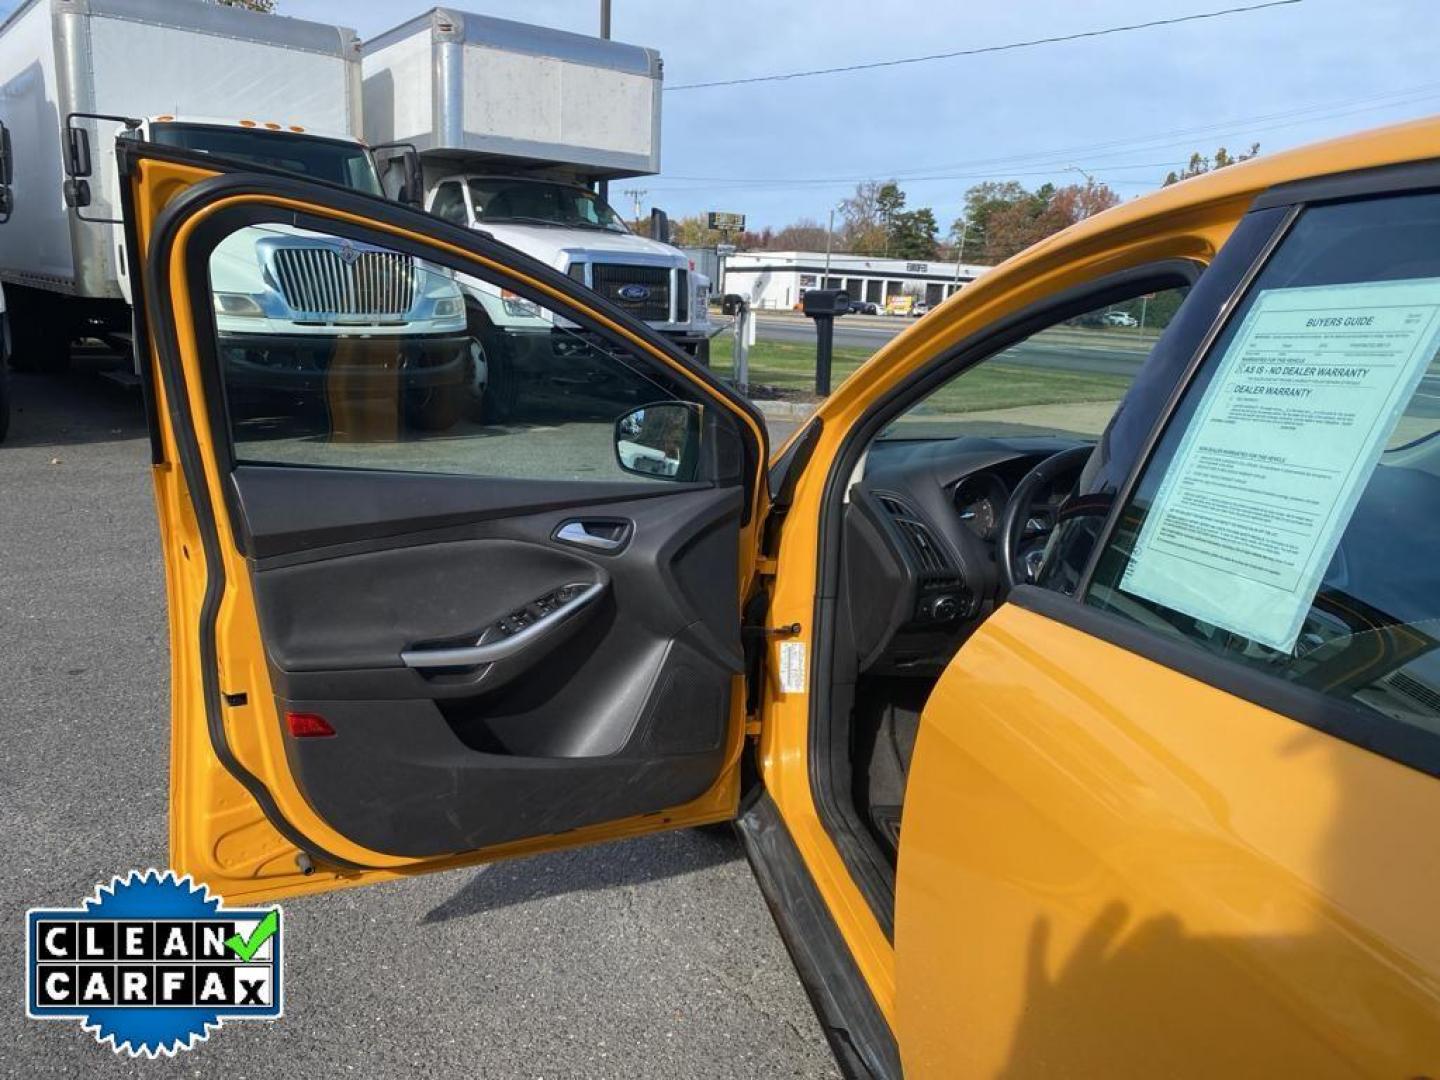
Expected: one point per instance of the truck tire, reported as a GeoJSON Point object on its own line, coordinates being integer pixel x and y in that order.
{"type": "Point", "coordinates": [502, 388]}
{"type": "Point", "coordinates": [477, 380]}
{"type": "Point", "coordinates": [503, 391]}
{"type": "Point", "coordinates": [435, 409]}
{"type": "Point", "coordinates": [4, 401]}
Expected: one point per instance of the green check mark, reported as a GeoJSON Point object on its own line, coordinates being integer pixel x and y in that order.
{"type": "Point", "coordinates": [245, 948]}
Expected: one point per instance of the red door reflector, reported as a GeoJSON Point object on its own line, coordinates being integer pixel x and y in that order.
{"type": "Point", "coordinates": [308, 725]}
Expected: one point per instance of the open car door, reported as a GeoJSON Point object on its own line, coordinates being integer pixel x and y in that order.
{"type": "Point", "coordinates": [455, 550]}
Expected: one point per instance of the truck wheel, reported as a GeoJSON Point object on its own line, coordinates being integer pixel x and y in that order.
{"type": "Point", "coordinates": [477, 380]}
{"type": "Point", "coordinates": [502, 392]}
{"type": "Point", "coordinates": [437, 408]}
{"type": "Point", "coordinates": [502, 388]}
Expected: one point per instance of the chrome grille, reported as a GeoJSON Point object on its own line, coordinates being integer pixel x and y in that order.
{"type": "Point", "coordinates": [609, 279]}
{"type": "Point", "coordinates": [317, 282]}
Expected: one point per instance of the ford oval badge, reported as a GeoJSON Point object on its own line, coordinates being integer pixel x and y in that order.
{"type": "Point", "coordinates": [634, 293]}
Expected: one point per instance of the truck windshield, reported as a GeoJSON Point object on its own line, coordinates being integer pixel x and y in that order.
{"type": "Point", "coordinates": [331, 160]}
{"type": "Point", "coordinates": [541, 202]}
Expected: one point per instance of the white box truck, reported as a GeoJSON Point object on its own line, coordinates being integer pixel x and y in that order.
{"type": "Point", "coordinates": [516, 126]}
{"type": "Point", "coordinates": [260, 89]}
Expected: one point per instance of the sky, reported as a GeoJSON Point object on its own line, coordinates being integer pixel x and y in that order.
{"type": "Point", "coordinates": [1125, 108]}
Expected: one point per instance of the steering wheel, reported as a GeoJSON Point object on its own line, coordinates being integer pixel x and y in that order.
{"type": "Point", "coordinates": [1018, 510]}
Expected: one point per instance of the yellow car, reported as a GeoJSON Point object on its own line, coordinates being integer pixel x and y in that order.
{"type": "Point", "coordinates": [1074, 687]}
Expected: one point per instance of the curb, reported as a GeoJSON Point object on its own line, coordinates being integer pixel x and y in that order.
{"type": "Point", "coordinates": [786, 410]}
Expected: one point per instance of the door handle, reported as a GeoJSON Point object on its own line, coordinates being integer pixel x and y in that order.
{"type": "Point", "coordinates": [502, 648]}
{"type": "Point", "coordinates": [609, 536]}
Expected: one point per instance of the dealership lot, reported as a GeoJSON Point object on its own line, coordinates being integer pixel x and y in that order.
{"type": "Point", "coordinates": [655, 957]}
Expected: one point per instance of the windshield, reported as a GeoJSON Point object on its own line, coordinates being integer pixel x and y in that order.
{"type": "Point", "coordinates": [331, 160]}
{"type": "Point", "coordinates": [541, 202]}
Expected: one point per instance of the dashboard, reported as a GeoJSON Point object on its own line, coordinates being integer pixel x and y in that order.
{"type": "Point", "coordinates": [922, 528]}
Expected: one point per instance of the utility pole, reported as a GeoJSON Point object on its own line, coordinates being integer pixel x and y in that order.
{"type": "Point", "coordinates": [829, 232]}
{"type": "Point", "coordinates": [960, 255]}
{"type": "Point", "coordinates": [636, 196]}
{"type": "Point", "coordinates": [602, 187]}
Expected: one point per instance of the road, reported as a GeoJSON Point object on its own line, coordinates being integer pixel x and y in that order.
{"type": "Point", "coordinates": [870, 332]}
{"type": "Point", "coordinates": [652, 958]}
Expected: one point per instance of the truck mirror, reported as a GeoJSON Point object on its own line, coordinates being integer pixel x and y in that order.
{"type": "Point", "coordinates": [77, 192]}
{"type": "Point", "coordinates": [77, 156]}
{"type": "Point", "coordinates": [414, 193]}
{"type": "Point", "coordinates": [659, 225]}
{"type": "Point", "coordinates": [7, 158]}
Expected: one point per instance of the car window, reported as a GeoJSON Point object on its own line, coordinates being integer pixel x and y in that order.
{"type": "Point", "coordinates": [344, 354]}
{"type": "Point", "coordinates": [1289, 519]}
{"type": "Point", "coordinates": [1063, 381]}
{"type": "Point", "coordinates": [449, 203]}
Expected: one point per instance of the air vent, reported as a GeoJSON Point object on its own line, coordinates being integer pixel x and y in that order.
{"type": "Point", "coordinates": [1417, 691]}
{"type": "Point", "coordinates": [929, 555]}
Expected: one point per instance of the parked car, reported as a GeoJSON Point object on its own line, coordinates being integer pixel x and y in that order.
{"type": "Point", "coordinates": [1089, 741]}
{"type": "Point", "coordinates": [1120, 318]}
{"type": "Point", "coordinates": [920, 307]}
{"type": "Point", "coordinates": [864, 307]}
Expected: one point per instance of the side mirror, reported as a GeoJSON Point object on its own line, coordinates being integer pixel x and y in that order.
{"type": "Point", "coordinates": [659, 225]}
{"type": "Point", "coordinates": [414, 194]}
{"type": "Point", "coordinates": [76, 192]}
{"type": "Point", "coordinates": [77, 155]}
{"type": "Point", "coordinates": [7, 158]}
{"type": "Point", "coordinates": [660, 441]}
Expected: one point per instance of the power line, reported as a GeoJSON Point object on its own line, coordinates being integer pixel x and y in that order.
{"type": "Point", "coordinates": [1241, 126]}
{"type": "Point", "coordinates": [990, 48]}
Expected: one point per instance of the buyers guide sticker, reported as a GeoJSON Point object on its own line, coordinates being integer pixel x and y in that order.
{"type": "Point", "coordinates": [1263, 484]}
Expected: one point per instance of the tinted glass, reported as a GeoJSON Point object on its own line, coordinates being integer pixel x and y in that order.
{"type": "Point", "coordinates": [1289, 520]}
{"type": "Point", "coordinates": [535, 201]}
{"type": "Point", "coordinates": [1064, 380]}
{"type": "Point", "coordinates": [339, 353]}
{"type": "Point", "coordinates": [334, 162]}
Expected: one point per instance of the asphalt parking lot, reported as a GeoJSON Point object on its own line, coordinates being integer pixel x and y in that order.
{"type": "Point", "coordinates": [656, 957]}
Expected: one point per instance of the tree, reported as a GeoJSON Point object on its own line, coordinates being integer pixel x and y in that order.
{"type": "Point", "coordinates": [803, 235]}
{"type": "Point", "coordinates": [912, 234]}
{"type": "Point", "coordinates": [889, 203]}
{"type": "Point", "coordinates": [862, 229]}
{"type": "Point", "coordinates": [265, 7]}
{"type": "Point", "coordinates": [1004, 218]}
{"type": "Point", "coordinates": [1199, 164]}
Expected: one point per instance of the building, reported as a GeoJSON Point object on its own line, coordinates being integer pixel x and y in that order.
{"type": "Point", "coordinates": [775, 279]}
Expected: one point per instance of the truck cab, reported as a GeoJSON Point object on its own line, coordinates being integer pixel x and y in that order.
{"type": "Point", "coordinates": [283, 293]}
{"type": "Point", "coordinates": [570, 227]}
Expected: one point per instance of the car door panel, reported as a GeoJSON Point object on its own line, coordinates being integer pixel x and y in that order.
{"type": "Point", "coordinates": [1133, 892]}
{"type": "Point", "coordinates": [323, 590]}
{"type": "Point", "coordinates": [630, 697]}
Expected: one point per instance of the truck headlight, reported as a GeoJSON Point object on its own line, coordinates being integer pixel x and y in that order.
{"type": "Point", "coordinates": [238, 304]}
{"type": "Point", "coordinates": [517, 305]}
{"type": "Point", "coordinates": [448, 307]}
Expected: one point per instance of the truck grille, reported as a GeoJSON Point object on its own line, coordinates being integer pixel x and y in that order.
{"type": "Point", "coordinates": [318, 281]}
{"type": "Point", "coordinates": [611, 280]}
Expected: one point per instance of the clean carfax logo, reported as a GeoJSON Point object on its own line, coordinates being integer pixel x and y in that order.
{"type": "Point", "coordinates": [152, 963]}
